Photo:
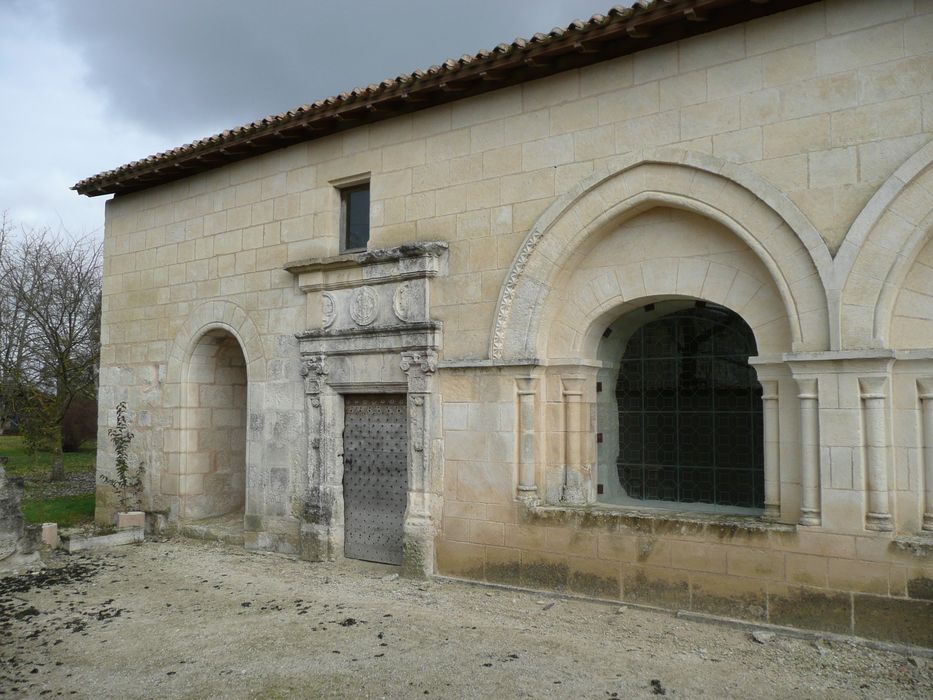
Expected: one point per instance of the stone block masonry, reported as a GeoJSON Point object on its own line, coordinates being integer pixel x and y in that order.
{"type": "Point", "coordinates": [769, 182]}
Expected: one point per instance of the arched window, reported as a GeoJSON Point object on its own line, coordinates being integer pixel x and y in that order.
{"type": "Point", "coordinates": [690, 424]}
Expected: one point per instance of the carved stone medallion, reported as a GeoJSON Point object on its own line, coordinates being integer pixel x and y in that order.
{"type": "Point", "coordinates": [363, 306]}
{"type": "Point", "coordinates": [328, 310]}
{"type": "Point", "coordinates": [401, 302]}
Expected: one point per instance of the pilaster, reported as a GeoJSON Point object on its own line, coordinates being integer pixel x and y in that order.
{"type": "Point", "coordinates": [425, 465]}
{"type": "Point", "coordinates": [575, 490]}
{"type": "Point", "coordinates": [925, 394]}
{"type": "Point", "coordinates": [873, 393]}
{"type": "Point", "coordinates": [527, 389]}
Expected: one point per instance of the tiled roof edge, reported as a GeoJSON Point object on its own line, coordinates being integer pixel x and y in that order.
{"type": "Point", "coordinates": [619, 32]}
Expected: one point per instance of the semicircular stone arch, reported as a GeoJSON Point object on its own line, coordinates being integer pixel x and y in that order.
{"type": "Point", "coordinates": [778, 234]}
{"type": "Point", "coordinates": [595, 296]}
{"type": "Point", "coordinates": [880, 254]}
{"type": "Point", "coordinates": [220, 319]}
{"type": "Point", "coordinates": [212, 315]}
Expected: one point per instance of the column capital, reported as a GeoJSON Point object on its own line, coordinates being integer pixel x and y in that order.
{"type": "Point", "coordinates": [314, 369]}
{"type": "Point", "coordinates": [769, 389]}
{"type": "Point", "coordinates": [873, 387]}
{"type": "Point", "coordinates": [420, 366]}
{"type": "Point", "coordinates": [925, 388]}
{"type": "Point", "coordinates": [419, 361]}
{"type": "Point", "coordinates": [526, 385]}
{"type": "Point", "coordinates": [808, 388]}
{"type": "Point", "coordinates": [572, 386]}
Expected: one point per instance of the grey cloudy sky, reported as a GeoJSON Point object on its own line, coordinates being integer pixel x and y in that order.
{"type": "Point", "coordinates": [87, 85]}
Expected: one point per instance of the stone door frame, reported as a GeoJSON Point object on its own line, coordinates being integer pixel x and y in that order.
{"type": "Point", "coordinates": [372, 332]}
{"type": "Point", "coordinates": [328, 379]}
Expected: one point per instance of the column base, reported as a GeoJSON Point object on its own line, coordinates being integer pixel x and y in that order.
{"type": "Point", "coordinates": [928, 522]}
{"type": "Point", "coordinates": [528, 493]}
{"type": "Point", "coordinates": [316, 542]}
{"type": "Point", "coordinates": [880, 522]}
{"type": "Point", "coordinates": [418, 547]}
{"type": "Point", "coordinates": [772, 512]}
{"type": "Point", "coordinates": [810, 518]}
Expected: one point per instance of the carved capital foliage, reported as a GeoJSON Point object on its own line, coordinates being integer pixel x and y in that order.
{"type": "Point", "coordinates": [419, 363]}
{"type": "Point", "coordinates": [314, 369]}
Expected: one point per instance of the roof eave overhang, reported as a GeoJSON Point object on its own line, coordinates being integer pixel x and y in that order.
{"type": "Point", "coordinates": [624, 32]}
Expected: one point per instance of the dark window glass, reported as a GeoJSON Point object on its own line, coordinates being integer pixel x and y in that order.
{"type": "Point", "coordinates": [355, 204]}
{"type": "Point", "coordinates": [690, 425]}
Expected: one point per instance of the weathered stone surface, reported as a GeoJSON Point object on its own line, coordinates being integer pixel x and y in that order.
{"type": "Point", "coordinates": [77, 543]}
{"type": "Point", "coordinates": [894, 619]}
{"type": "Point", "coordinates": [18, 541]}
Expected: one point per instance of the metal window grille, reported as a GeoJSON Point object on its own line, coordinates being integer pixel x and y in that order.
{"type": "Point", "coordinates": [690, 421]}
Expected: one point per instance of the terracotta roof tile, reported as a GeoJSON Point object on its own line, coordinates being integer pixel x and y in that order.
{"type": "Point", "coordinates": [581, 42]}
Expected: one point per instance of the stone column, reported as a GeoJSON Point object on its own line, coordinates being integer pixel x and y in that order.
{"type": "Point", "coordinates": [424, 463]}
{"type": "Point", "coordinates": [527, 454]}
{"type": "Point", "coordinates": [873, 392]}
{"type": "Point", "coordinates": [925, 391]}
{"type": "Point", "coordinates": [772, 449]}
{"type": "Point", "coordinates": [809, 451]}
{"type": "Point", "coordinates": [317, 512]}
{"type": "Point", "coordinates": [573, 441]}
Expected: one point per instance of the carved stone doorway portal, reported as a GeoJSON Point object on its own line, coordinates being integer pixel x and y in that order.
{"type": "Point", "coordinates": [375, 346]}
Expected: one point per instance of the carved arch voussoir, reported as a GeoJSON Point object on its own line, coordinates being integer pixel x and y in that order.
{"type": "Point", "coordinates": [730, 194]}
{"type": "Point", "coordinates": [212, 315]}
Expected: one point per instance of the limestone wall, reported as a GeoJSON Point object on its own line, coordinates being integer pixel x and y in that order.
{"type": "Point", "coordinates": [780, 168]}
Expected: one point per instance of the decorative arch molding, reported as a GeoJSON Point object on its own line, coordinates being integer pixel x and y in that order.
{"type": "Point", "coordinates": [765, 219]}
{"type": "Point", "coordinates": [213, 315]}
{"type": "Point", "coordinates": [879, 249]}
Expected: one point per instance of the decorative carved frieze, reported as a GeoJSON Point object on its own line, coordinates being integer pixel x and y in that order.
{"type": "Point", "coordinates": [364, 306]}
{"type": "Point", "coordinates": [402, 302]}
{"type": "Point", "coordinates": [328, 309]}
{"type": "Point", "coordinates": [507, 295]}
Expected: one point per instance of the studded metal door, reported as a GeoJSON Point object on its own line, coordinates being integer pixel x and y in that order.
{"type": "Point", "coordinates": [375, 476]}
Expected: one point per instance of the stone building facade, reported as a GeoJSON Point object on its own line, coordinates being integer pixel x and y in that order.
{"type": "Point", "coordinates": [645, 313]}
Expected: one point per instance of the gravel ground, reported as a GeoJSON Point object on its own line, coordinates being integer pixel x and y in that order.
{"type": "Point", "coordinates": [184, 619]}
{"type": "Point", "coordinates": [75, 484]}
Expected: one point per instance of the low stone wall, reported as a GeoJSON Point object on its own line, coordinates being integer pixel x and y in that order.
{"type": "Point", "coordinates": [874, 587]}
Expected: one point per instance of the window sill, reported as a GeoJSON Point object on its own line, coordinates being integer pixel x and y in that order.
{"type": "Point", "coordinates": [642, 519]}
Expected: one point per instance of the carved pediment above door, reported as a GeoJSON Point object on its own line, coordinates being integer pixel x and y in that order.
{"type": "Point", "coordinates": [373, 291]}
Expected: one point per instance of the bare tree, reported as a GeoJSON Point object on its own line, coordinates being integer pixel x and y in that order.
{"type": "Point", "coordinates": [53, 286]}
{"type": "Point", "coordinates": [13, 325]}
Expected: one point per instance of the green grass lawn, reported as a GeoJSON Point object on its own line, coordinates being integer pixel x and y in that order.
{"type": "Point", "coordinates": [22, 464]}
{"type": "Point", "coordinates": [67, 511]}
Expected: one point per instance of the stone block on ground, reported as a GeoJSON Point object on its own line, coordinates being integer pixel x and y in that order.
{"type": "Point", "coordinates": [132, 518]}
{"type": "Point", "coordinates": [78, 543]}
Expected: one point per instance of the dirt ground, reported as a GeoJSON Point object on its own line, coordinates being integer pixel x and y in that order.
{"type": "Point", "coordinates": [185, 619]}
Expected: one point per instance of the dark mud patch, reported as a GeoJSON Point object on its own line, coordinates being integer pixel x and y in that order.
{"type": "Point", "coordinates": [26, 628]}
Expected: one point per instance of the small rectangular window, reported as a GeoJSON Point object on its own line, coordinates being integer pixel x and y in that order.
{"type": "Point", "coordinates": [354, 218]}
